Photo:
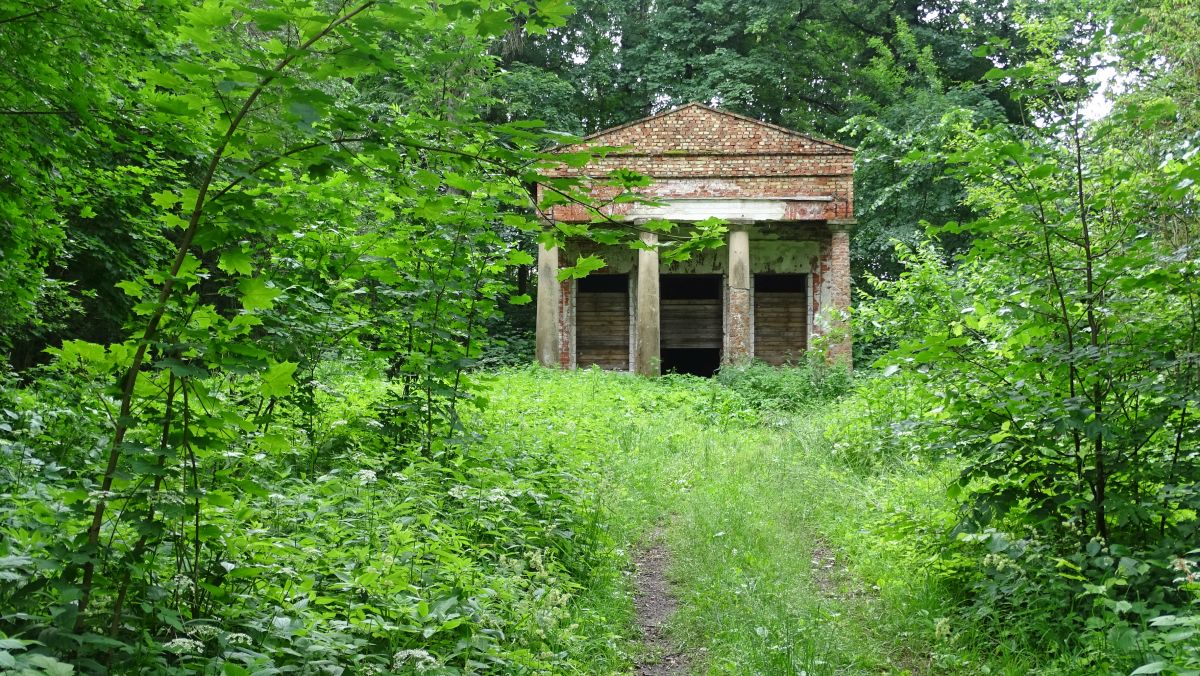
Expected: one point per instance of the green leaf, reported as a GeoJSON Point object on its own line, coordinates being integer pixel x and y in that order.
{"type": "Point", "coordinates": [50, 666]}
{"type": "Point", "coordinates": [305, 113]}
{"type": "Point", "coordinates": [132, 288]}
{"type": "Point", "coordinates": [518, 257]}
{"type": "Point", "coordinates": [583, 266]}
{"type": "Point", "coordinates": [574, 160]}
{"type": "Point", "coordinates": [181, 369]}
{"type": "Point", "coordinates": [462, 183]}
{"type": "Point", "coordinates": [495, 22]}
{"type": "Point", "coordinates": [219, 499]}
{"type": "Point", "coordinates": [277, 379]}
{"type": "Point", "coordinates": [236, 261]}
{"type": "Point", "coordinates": [165, 199]}
{"type": "Point", "coordinates": [1151, 668]}
{"type": "Point", "coordinates": [257, 294]}
{"type": "Point", "coordinates": [519, 300]}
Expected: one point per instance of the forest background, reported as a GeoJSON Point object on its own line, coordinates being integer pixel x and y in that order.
{"type": "Point", "coordinates": [259, 257]}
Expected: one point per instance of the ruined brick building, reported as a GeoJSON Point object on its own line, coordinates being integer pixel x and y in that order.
{"type": "Point", "coordinates": [781, 280]}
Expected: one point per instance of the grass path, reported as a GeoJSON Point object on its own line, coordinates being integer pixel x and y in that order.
{"type": "Point", "coordinates": [773, 563]}
{"type": "Point", "coordinates": [655, 604]}
{"type": "Point", "coordinates": [760, 588]}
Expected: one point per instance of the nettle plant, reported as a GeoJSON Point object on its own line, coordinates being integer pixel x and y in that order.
{"type": "Point", "coordinates": [1065, 355]}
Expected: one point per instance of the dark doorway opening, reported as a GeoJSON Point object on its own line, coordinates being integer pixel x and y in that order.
{"type": "Point", "coordinates": [691, 330]}
{"type": "Point", "coordinates": [702, 362]}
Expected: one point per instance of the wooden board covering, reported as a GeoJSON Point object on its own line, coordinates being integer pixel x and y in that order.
{"type": "Point", "coordinates": [602, 322]}
{"type": "Point", "coordinates": [780, 318]}
{"type": "Point", "coordinates": [691, 323]}
{"type": "Point", "coordinates": [690, 312]}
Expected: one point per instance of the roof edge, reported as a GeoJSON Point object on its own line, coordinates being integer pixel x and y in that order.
{"type": "Point", "coordinates": [719, 111]}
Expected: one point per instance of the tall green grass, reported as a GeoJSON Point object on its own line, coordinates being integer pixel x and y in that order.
{"type": "Point", "coordinates": [747, 497]}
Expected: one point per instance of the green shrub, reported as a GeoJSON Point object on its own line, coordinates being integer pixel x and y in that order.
{"type": "Point", "coordinates": [879, 424]}
{"type": "Point", "coordinates": [383, 559]}
{"type": "Point", "coordinates": [789, 388]}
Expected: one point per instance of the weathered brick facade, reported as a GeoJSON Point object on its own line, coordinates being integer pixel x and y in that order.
{"type": "Point", "coordinates": [788, 192]}
{"type": "Point", "coordinates": [695, 151]}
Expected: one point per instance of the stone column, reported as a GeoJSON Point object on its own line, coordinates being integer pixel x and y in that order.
{"type": "Point", "coordinates": [739, 339]}
{"type": "Point", "coordinates": [647, 360]}
{"type": "Point", "coordinates": [547, 306]}
{"type": "Point", "coordinates": [840, 347]}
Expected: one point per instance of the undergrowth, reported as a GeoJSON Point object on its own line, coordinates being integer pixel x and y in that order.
{"type": "Point", "coordinates": [809, 533]}
{"type": "Point", "coordinates": [340, 551]}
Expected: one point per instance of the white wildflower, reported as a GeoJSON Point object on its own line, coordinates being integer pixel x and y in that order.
{"type": "Point", "coordinates": [497, 495]}
{"type": "Point", "coordinates": [366, 476]}
{"type": "Point", "coordinates": [418, 658]}
{"type": "Point", "coordinates": [941, 627]}
{"type": "Point", "coordinates": [184, 646]}
{"type": "Point", "coordinates": [204, 631]}
{"type": "Point", "coordinates": [238, 638]}
{"type": "Point", "coordinates": [460, 492]}
{"type": "Point", "coordinates": [998, 561]}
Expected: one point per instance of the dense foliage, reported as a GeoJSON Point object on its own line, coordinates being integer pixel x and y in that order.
{"type": "Point", "coordinates": [1057, 361]}
{"type": "Point", "coordinates": [237, 200]}
{"type": "Point", "coordinates": [253, 253]}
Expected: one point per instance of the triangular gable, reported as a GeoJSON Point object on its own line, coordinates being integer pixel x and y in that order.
{"type": "Point", "coordinates": [697, 129]}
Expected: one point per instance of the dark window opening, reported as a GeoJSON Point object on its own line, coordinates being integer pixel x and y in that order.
{"type": "Point", "coordinates": [779, 283]}
{"type": "Point", "coordinates": [702, 362]}
{"type": "Point", "coordinates": [604, 284]}
{"type": "Point", "coordinates": [689, 287]}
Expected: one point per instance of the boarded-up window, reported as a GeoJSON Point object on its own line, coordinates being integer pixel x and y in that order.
{"type": "Point", "coordinates": [602, 322]}
{"type": "Point", "coordinates": [691, 326]}
{"type": "Point", "coordinates": [780, 318]}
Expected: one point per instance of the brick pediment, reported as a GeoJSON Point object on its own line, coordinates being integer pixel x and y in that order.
{"type": "Point", "coordinates": [696, 154]}
{"type": "Point", "coordinates": [695, 129]}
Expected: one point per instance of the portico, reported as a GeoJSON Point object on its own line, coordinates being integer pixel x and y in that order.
{"type": "Point", "coordinates": [781, 283]}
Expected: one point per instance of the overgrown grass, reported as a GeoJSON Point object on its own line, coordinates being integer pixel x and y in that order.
{"type": "Point", "coordinates": [805, 536]}
{"type": "Point", "coordinates": [755, 506]}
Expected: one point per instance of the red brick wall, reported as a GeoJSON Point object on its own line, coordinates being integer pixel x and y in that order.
{"type": "Point", "coordinates": [566, 331]}
{"type": "Point", "coordinates": [696, 151]}
{"type": "Point", "coordinates": [698, 129]}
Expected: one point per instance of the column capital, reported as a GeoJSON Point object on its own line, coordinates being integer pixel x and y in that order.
{"type": "Point", "coordinates": [841, 224]}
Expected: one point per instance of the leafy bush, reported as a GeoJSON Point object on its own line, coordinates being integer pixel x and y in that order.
{"type": "Point", "coordinates": [789, 388]}
{"type": "Point", "coordinates": [879, 424]}
{"type": "Point", "coordinates": [1055, 367]}
{"type": "Point", "coordinates": [386, 560]}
